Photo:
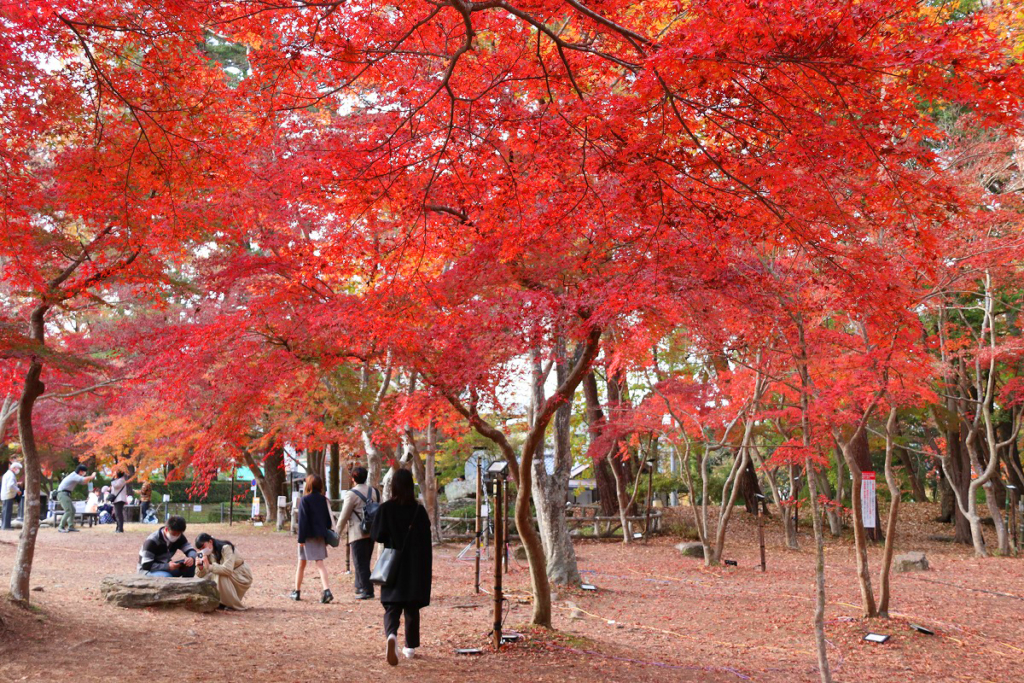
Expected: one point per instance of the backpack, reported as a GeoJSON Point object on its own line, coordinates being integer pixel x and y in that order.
{"type": "Point", "coordinates": [370, 508]}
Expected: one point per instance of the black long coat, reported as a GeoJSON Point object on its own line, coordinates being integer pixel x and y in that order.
{"type": "Point", "coordinates": [415, 562]}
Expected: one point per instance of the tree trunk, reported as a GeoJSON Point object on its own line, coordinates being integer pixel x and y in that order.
{"type": "Point", "coordinates": [334, 476]}
{"type": "Point", "coordinates": [620, 466]}
{"type": "Point", "coordinates": [860, 537]}
{"type": "Point", "coordinates": [316, 462]}
{"type": "Point", "coordinates": [789, 518]}
{"type": "Point", "coordinates": [33, 388]}
{"type": "Point", "coordinates": [426, 480]}
{"type": "Point", "coordinates": [819, 581]}
{"type": "Point", "coordinates": [374, 460]}
{"type": "Point", "coordinates": [727, 507]}
{"type": "Point", "coordinates": [621, 497]}
{"type": "Point", "coordinates": [788, 528]}
{"type": "Point", "coordinates": [521, 470]}
{"type": "Point", "coordinates": [551, 491]}
{"type": "Point", "coordinates": [430, 479]}
{"type": "Point", "coordinates": [947, 503]}
{"type": "Point", "coordinates": [890, 530]}
{"type": "Point", "coordinates": [994, 493]}
{"type": "Point", "coordinates": [605, 479]}
{"type": "Point", "coordinates": [819, 538]}
{"type": "Point", "coordinates": [21, 574]}
{"type": "Point", "coordinates": [835, 522]}
{"type": "Point", "coordinates": [959, 477]}
{"type": "Point", "coordinates": [862, 456]}
{"type": "Point", "coordinates": [269, 476]}
{"type": "Point", "coordinates": [750, 488]}
{"type": "Point", "coordinates": [916, 483]}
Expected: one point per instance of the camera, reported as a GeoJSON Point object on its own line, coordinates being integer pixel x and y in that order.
{"type": "Point", "coordinates": [199, 557]}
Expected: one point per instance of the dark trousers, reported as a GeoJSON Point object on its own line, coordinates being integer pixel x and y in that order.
{"type": "Point", "coordinates": [119, 516]}
{"type": "Point", "coordinates": [361, 552]}
{"type": "Point", "coordinates": [8, 513]}
{"type": "Point", "coordinates": [143, 509]}
{"type": "Point", "coordinates": [392, 616]}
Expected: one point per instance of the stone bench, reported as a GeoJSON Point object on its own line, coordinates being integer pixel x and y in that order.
{"type": "Point", "coordinates": [141, 590]}
{"type": "Point", "coordinates": [911, 562]}
{"type": "Point", "coordinates": [691, 549]}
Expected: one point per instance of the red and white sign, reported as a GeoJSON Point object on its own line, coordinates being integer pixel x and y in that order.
{"type": "Point", "coordinates": [867, 499]}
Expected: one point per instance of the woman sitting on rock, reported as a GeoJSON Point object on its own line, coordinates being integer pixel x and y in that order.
{"type": "Point", "coordinates": [233, 575]}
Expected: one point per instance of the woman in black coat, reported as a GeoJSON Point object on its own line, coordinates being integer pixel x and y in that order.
{"type": "Point", "coordinates": [402, 523]}
{"type": "Point", "coordinates": [314, 523]}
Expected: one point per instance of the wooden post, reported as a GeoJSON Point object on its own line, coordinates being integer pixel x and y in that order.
{"type": "Point", "coordinates": [1012, 517]}
{"type": "Point", "coordinates": [479, 530]}
{"type": "Point", "coordinates": [760, 529]}
{"type": "Point", "coordinates": [796, 504]}
{"type": "Point", "coordinates": [650, 498]}
{"type": "Point", "coordinates": [504, 522]}
{"type": "Point", "coordinates": [282, 504]}
{"type": "Point", "coordinates": [498, 541]}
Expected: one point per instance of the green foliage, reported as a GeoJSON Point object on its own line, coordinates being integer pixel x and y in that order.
{"type": "Point", "coordinates": [181, 491]}
{"type": "Point", "coordinates": [665, 483]}
{"type": "Point", "coordinates": [464, 512]}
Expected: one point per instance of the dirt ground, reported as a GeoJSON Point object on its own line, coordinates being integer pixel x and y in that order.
{"type": "Point", "coordinates": [656, 616]}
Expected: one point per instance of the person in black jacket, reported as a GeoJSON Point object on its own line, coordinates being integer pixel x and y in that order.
{"type": "Point", "coordinates": [402, 523]}
{"type": "Point", "coordinates": [314, 523]}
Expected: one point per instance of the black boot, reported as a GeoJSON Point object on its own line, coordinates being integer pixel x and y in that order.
{"type": "Point", "coordinates": [295, 595]}
{"type": "Point", "coordinates": [327, 596]}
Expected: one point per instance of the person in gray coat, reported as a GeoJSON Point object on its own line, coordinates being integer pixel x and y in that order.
{"type": "Point", "coordinates": [359, 542]}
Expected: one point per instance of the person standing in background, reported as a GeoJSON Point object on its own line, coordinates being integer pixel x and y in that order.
{"type": "Point", "coordinates": [145, 496]}
{"type": "Point", "coordinates": [9, 492]}
{"type": "Point", "coordinates": [119, 492]}
{"type": "Point", "coordinates": [67, 485]}
{"type": "Point", "coordinates": [359, 541]}
{"type": "Point", "coordinates": [92, 503]}
{"type": "Point", "coordinates": [314, 523]}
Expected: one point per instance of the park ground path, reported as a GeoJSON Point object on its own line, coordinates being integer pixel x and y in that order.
{"type": "Point", "coordinates": [656, 616]}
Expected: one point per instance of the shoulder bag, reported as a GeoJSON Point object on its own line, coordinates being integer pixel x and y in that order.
{"type": "Point", "coordinates": [385, 571]}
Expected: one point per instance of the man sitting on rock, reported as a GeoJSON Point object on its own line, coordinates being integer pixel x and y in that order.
{"type": "Point", "coordinates": [158, 550]}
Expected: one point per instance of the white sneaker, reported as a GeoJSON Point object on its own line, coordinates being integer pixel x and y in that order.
{"type": "Point", "coordinates": [392, 651]}
{"type": "Point", "coordinates": [408, 652]}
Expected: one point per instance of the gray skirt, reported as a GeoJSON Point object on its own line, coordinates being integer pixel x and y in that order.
{"type": "Point", "coordinates": [315, 549]}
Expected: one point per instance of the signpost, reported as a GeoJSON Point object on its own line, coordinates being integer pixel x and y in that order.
{"type": "Point", "coordinates": [479, 530]}
{"type": "Point", "coordinates": [867, 500]}
{"type": "Point", "coordinates": [499, 522]}
{"type": "Point", "coordinates": [497, 474]}
{"type": "Point", "coordinates": [651, 463]}
{"type": "Point", "coordinates": [1011, 522]}
{"type": "Point", "coordinates": [759, 502]}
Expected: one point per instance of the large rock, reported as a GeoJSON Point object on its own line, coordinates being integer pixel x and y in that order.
{"type": "Point", "coordinates": [140, 590]}
{"type": "Point", "coordinates": [911, 562]}
{"type": "Point", "coordinates": [691, 549]}
{"type": "Point", "coordinates": [458, 490]}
